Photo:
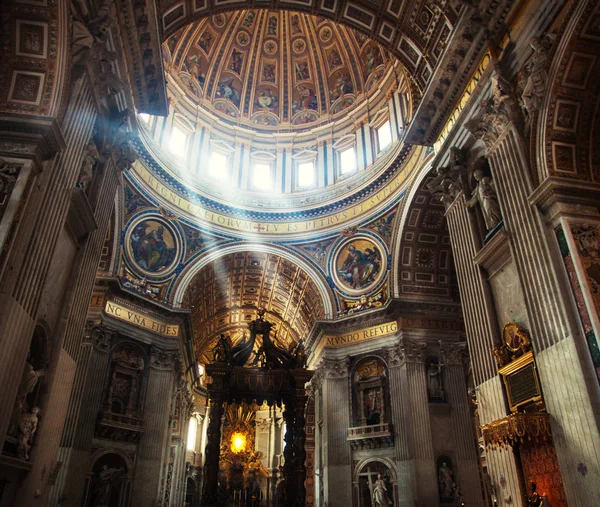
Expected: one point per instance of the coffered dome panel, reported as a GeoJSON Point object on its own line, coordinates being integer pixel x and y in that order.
{"type": "Point", "coordinates": [277, 69]}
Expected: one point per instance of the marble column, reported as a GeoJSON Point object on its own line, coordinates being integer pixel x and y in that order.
{"type": "Point", "coordinates": [86, 401]}
{"type": "Point", "coordinates": [337, 464]}
{"type": "Point", "coordinates": [153, 449]}
{"type": "Point", "coordinates": [466, 459]}
{"type": "Point", "coordinates": [401, 421]}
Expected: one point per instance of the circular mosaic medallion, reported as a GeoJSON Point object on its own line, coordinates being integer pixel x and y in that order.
{"type": "Point", "coordinates": [243, 39]}
{"type": "Point", "coordinates": [299, 46]}
{"type": "Point", "coordinates": [325, 34]}
{"type": "Point", "coordinates": [359, 264]}
{"type": "Point", "coordinates": [270, 47]}
{"type": "Point", "coordinates": [152, 246]}
{"type": "Point", "coordinates": [219, 20]}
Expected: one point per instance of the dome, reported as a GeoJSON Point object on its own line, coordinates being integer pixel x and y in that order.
{"type": "Point", "coordinates": [277, 71]}
{"type": "Point", "coordinates": [273, 112]}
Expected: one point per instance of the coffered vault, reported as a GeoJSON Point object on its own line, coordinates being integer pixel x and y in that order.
{"type": "Point", "coordinates": [225, 294]}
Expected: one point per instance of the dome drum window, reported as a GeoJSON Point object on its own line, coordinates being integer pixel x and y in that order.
{"type": "Point", "coordinates": [262, 173]}
{"type": "Point", "coordinates": [305, 170]}
{"type": "Point", "coordinates": [219, 167]}
{"type": "Point", "coordinates": [345, 156]}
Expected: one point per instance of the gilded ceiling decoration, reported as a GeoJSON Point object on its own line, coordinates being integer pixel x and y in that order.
{"type": "Point", "coordinates": [225, 294]}
{"type": "Point", "coordinates": [426, 264]}
{"type": "Point", "coordinates": [270, 69]}
{"type": "Point", "coordinates": [416, 32]}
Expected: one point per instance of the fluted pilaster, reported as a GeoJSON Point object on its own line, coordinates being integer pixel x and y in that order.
{"type": "Point", "coordinates": [554, 334]}
{"type": "Point", "coordinates": [424, 458]}
{"type": "Point", "coordinates": [34, 246]}
{"type": "Point", "coordinates": [467, 466]}
{"type": "Point", "coordinates": [336, 421]}
{"type": "Point", "coordinates": [401, 420]}
{"type": "Point", "coordinates": [86, 400]}
{"type": "Point", "coordinates": [153, 448]}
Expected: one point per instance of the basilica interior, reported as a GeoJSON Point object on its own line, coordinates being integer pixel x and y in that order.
{"type": "Point", "coordinates": [300, 253]}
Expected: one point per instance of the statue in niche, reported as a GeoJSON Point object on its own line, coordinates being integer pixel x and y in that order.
{"type": "Point", "coordinates": [435, 386]}
{"type": "Point", "coordinates": [446, 481]}
{"type": "Point", "coordinates": [485, 195]}
{"type": "Point", "coordinates": [27, 428]}
{"type": "Point", "coordinates": [90, 159]}
{"type": "Point", "coordinates": [380, 498]}
{"type": "Point", "coordinates": [103, 483]}
{"type": "Point", "coordinates": [537, 77]}
{"type": "Point", "coordinates": [29, 381]}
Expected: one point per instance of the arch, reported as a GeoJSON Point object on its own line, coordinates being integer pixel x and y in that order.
{"type": "Point", "coordinates": [189, 273]}
{"type": "Point", "coordinates": [109, 475]}
{"type": "Point", "coordinates": [415, 186]}
{"type": "Point", "coordinates": [565, 135]}
{"type": "Point", "coordinates": [386, 461]}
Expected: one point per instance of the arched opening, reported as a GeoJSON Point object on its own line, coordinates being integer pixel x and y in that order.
{"type": "Point", "coordinates": [225, 294]}
{"type": "Point", "coordinates": [108, 483]}
{"type": "Point", "coordinates": [190, 493]}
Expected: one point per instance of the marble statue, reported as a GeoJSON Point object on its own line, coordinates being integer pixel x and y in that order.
{"type": "Point", "coordinates": [446, 481]}
{"type": "Point", "coordinates": [533, 92]}
{"type": "Point", "coordinates": [434, 381]}
{"type": "Point", "coordinates": [29, 380]}
{"type": "Point", "coordinates": [90, 158]}
{"type": "Point", "coordinates": [485, 194]}
{"type": "Point", "coordinates": [380, 498]}
{"type": "Point", "coordinates": [103, 484]}
{"type": "Point", "coordinates": [27, 428]}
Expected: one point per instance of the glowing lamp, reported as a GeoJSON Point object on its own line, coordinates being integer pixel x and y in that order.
{"type": "Point", "coordinates": [238, 442]}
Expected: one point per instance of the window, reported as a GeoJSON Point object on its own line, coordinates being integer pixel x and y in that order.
{"type": "Point", "coordinates": [192, 431]}
{"type": "Point", "coordinates": [306, 174]}
{"type": "Point", "coordinates": [218, 168]}
{"type": "Point", "coordinates": [347, 160]}
{"type": "Point", "coordinates": [177, 142]}
{"type": "Point", "coordinates": [262, 178]}
{"type": "Point", "coordinates": [384, 135]}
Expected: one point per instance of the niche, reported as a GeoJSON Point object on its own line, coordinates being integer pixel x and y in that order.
{"type": "Point", "coordinates": [125, 394]}
{"type": "Point", "coordinates": [369, 393]}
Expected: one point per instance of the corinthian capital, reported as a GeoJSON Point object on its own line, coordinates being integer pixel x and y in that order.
{"type": "Point", "coordinates": [495, 114]}
{"type": "Point", "coordinates": [454, 353]}
{"type": "Point", "coordinates": [333, 368]}
{"type": "Point", "coordinates": [411, 352]}
{"type": "Point", "coordinates": [99, 336]}
{"type": "Point", "coordinates": [163, 360]}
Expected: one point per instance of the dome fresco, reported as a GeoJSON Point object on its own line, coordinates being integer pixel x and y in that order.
{"type": "Point", "coordinates": [276, 70]}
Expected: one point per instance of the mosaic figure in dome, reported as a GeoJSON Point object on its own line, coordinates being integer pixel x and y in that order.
{"type": "Point", "coordinates": [205, 41]}
{"type": "Point", "coordinates": [359, 268]}
{"type": "Point", "coordinates": [152, 246]}
{"type": "Point", "coordinates": [267, 100]}
{"type": "Point", "coordinates": [228, 89]}
{"type": "Point", "coordinates": [272, 26]}
{"type": "Point", "coordinates": [269, 72]}
{"type": "Point", "coordinates": [302, 72]}
{"type": "Point", "coordinates": [236, 62]}
{"type": "Point", "coordinates": [373, 59]}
